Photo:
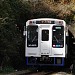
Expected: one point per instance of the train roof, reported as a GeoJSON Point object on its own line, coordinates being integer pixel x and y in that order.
{"type": "Point", "coordinates": [46, 19]}
{"type": "Point", "coordinates": [39, 21]}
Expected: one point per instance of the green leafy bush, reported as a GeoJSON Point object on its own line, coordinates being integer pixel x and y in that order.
{"type": "Point", "coordinates": [7, 69]}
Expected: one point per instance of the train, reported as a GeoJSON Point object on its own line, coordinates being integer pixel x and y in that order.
{"type": "Point", "coordinates": [46, 42]}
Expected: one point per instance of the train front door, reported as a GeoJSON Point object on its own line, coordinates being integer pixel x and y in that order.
{"type": "Point", "coordinates": [45, 43]}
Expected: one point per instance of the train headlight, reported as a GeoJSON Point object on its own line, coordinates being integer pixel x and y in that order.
{"type": "Point", "coordinates": [61, 22]}
{"type": "Point", "coordinates": [30, 22]}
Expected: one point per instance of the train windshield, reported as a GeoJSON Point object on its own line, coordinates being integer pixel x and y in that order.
{"type": "Point", "coordinates": [32, 36]}
{"type": "Point", "coordinates": [45, 35]}
{"type": "Point", "coordinates": [58, 36]}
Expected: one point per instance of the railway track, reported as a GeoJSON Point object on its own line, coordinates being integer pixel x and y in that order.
{"type": "Point", "coordinates": [47, 73]}
{"type": "Point", "coordinates": [25, 72]}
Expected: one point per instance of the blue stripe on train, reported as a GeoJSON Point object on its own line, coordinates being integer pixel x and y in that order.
{"type": "Point", "coordinates": [54, 64]}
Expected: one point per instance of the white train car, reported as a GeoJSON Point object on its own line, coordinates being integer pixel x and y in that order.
{"type": "Point", "coordinates": [45, 42]}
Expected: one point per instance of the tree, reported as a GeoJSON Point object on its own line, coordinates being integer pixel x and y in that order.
{"type": "Point", "coordinates": [11, 46]}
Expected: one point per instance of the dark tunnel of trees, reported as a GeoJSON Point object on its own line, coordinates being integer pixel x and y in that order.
{"type": "Point", "coordinates": [13, 16]}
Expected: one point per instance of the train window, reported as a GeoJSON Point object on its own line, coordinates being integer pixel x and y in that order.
{"type": "Point", "coordinates": [32, 36]}
{"type": "Point", "coordinates": [45, 35]}
{"type": "Point", "coordinates": [58, 36]}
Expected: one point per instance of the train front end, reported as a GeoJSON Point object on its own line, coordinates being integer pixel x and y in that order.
{"type": "Point", "coordinates": [45, 42]}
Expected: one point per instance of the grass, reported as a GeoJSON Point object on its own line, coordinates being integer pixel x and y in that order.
{"type": "Point", "coordinates": [7, 70]}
